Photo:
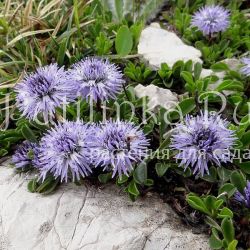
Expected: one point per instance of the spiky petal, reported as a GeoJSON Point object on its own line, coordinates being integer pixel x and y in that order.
{"type": "Point", "coordinates": [43, 91]}
{"type": "Point", "coordinates": [211, 19]}
{"type": "Point", "coordinates": [64, 151]}
{"type": "Point", "coordinates": [202, 140]}
{"type": "Point", "coordinates": [118, 146]}
{"type": "Point", "coordinates": [97, 79]}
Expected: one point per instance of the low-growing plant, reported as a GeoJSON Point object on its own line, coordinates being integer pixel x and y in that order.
{"type": "Point", "coordinates": [70, 111]}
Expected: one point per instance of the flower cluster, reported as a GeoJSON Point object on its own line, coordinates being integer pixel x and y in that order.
{"type": "Point", "coordinates": [245, 197]}
{"type": "Point", "coordinates": [211, 19]}
{"type": "Point", "coordinates": [201, 140]}
{"type": "Point", "coordinates": [50, 87]}
{"type": "Point", "coordinates": [71, 149]}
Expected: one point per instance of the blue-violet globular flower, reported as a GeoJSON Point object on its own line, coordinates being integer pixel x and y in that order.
{"type": "Point", "coordinates": [202, 140]}
{"type": "Point", "coordinates": [119, 145]}
{"type": "Point", "coordinates": [64, 151]}
{"type": "Point", "coordinates": [211, 19]}
{"type": "Point", "coordinates": [97, 79]}
{"type": "Point", "coordinates": [43, 91]}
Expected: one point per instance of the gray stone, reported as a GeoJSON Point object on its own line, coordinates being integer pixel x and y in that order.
{"type": "Point", "coordinates": [157, 97]}
{"type": "Point", "coordinates": [86, 217]}
{"type": "Point", "coordinates": [158, 46]}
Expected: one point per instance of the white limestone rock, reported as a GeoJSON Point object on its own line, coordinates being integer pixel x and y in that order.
{"type": "Point", "coordinates": [84, 217]}
{"type": "Point", "coordinates": [157, 97]}
{"type": "Point", "coordinates": [158, 46]}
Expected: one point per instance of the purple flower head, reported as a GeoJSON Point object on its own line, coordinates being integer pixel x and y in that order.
{"type": "Point", "coordinates": [64, 151]}
{"type": "Point", "coordinates": [245, 197]}
{"type": "Point", "coordinates": [211, 19]}
{"type": "Point", "coordinates": [97, 79]}
{"type": "Point", "coordinates": [202, 139]}
{"type": "Point", "coordinates": [245, 70]}
{"type": "Point", "coordinates": [43, 91]}
{"type": "Point", "coordinates": [118, 145]}
{"type": "Point", "coordinates": [25, 155]}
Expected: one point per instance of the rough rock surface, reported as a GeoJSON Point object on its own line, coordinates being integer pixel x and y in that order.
{"type": "Point", "coordinates": [158, 46]}
{"type": "Point", "coordinates": [157, 97]}
{"type": "Point", "coordinates": [79, 217]}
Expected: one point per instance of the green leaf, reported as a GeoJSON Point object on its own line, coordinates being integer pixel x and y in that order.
{"type": "Point", "coordinates": [161, 168]}
{"type": "Point", "coordinates": [187, 76]}
{"type": "Point", "coordinates": [219, 66]}
{"type": "Point", "coordinates": [183, 108]}
{"type": "Point", "coordinates": [119, 9]}
{"type": "Point", "coordinates": [215, 242]}
{"type": "Point", "coordinates": [131, 93]}
{"type": "Point", "coordinates": [122, 179]}
{"type": "Point", "coordinates": [228, 188]}
{"type": "Point", "coordinates": [210, 202]}
{"type": "Point", "coordinates": [28, 134]}
{"type": "Point", "coordinates": [231, 85]}
{"type": "Point", "coordinates": [197, 70]}
{"type": "Point", "coordinates": [197, 203]}
{"type": "Point", "coordinates": [136, 29]}
{"type": "Point", "coordinates": [245, 167]}
{"type": "Point", "coordinates": [225, 212]}
{"type": "Point", "coordinates": [224, 174]}
{"type": "Point", "coordinates": [212, 223]}
{"type": "Point", "coordinates": [218, 203]}
{"type": "Point", "coordinates": [3, 26]}
{"type": "Point", "coordinates": [104, 178]}
{"type": "Point", "coordinates": [228, 229]}
{"type": "Point", "coordinates": [50, 188]}
{"type": "Point", "coordinates": [148, 128]}
{"type": "Point", "coordinates": [188, 66]}
{"type": "Point", "coordinates": [3, 152]}
{"type": "Point", "coordinates": [238, 180]}
{"type": "Point", "coordinates": [32, 185]}
{"type": "Point", "coordinates": [62, 51]}
{"type": "Point", "coordinates": [246, 139]}
{"type": "Point", "coordinates": [177, 68]}
{"type": "Point", "coordinates": [123, 41]}
{"type": "Point", "coordinates": [132, 188]}
{"type": "Point", "coordinates": [212, 176]}
{"type": "Point", "coordinates": [49, 185]}
{"type": "Point", "coordinates": [140, 173]}
{"type": "Point", "coordinates": [64, 43]}
{"type": "Point", "coordinates": [232, 245]}
{"type": "Point", "coordinates": [149, 182]}
{"type": "Point", "coordinates": [165, 143]}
